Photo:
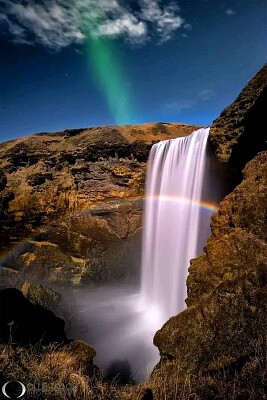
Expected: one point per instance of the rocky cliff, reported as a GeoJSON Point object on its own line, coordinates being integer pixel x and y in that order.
{"type": "Point", "coordinates": [71, 202]}
{"type": "Point", "coordinates": [239, 133]}
{"type": "Point", "coordinates": [227, 284]}
{"type": "Point", "coordinates": [224, 327]}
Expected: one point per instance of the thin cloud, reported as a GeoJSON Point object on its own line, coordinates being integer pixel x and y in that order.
{"type": "Point", "coordinates": [79, 51]}
{"type": "Point", "coordinates": [178, 106]}
{"type": "Point", "coordinates": [206, 94]}
{"type": "Point", "coordinates": [230, 12]}
{"type": "Point", "coordinates": [187, 104]}
{"type": "Point", "coordinates": [188, 26]}
{"type": "Point", "coordinates": [58, 23]}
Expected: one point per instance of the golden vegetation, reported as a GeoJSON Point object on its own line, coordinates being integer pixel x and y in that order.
{"type": "Point", "coordinates": [52, 373]}
{"type": "Point", "coordinates": [62, 374]}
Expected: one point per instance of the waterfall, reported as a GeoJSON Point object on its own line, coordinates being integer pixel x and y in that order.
{"type": "Point", "coordinates": [172, 219]}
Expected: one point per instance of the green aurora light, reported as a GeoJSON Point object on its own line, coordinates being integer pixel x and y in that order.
{"type": "Point", "coordinates": [109, 75]}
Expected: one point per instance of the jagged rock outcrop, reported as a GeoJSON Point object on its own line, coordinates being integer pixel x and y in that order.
{"type": "Point", "coordinates": [78, 195]}
{"type": "Point", "coordinates": [227, 285]}
{"type": "Point", "coordinates": [240, 132]}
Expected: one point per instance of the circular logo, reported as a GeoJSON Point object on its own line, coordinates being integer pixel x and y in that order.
{"type": "Point", "coordinates": [13, 390]}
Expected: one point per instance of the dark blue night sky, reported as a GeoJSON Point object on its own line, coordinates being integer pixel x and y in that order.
{"type": "Point", "coordinates": [71, 65]}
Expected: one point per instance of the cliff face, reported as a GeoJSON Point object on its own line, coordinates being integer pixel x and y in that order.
{"type": "Point", "coordinates": [240, 131]}
{"type": "Point", "coordinates": [239, 234]}
{"type": "Point", "coordinates": [77, 195]}
{"type": "Point", "coordinates": [227, 284]}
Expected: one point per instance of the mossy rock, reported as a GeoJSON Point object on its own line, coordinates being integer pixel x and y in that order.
{"type": "Point", "coordinates": [41, 295]}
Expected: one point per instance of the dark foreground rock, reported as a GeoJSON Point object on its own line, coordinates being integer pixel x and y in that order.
{"type": "Point", "coordinates": [34, 348]}
{"type": "Point", "coordinates": [25, 323]}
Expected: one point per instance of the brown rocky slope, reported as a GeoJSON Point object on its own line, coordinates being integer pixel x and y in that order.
{"type": "Point", "coordinates": [71, 202]}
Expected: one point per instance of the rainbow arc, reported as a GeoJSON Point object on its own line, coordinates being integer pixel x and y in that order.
{"type": "Point", "coordinates": [209, 205]}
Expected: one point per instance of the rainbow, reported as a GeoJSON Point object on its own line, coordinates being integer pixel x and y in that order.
{"type": "Point", "coordinates": [208, 205]}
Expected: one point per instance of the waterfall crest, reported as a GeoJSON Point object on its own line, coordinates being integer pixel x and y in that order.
{"type": "Point", "coordinates": [172, 218]}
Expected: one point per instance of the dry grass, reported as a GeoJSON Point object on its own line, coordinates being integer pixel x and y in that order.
{"type": "Point", "coordinates": [246, 381]}
{"type": "Point", "coordinates": [53, 373]}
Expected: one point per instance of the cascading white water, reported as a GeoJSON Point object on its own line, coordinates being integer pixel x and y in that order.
{"type": "Point", "coordinates": [121, 327]}
{"type": "Point", "coordinates": [172, 215]}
